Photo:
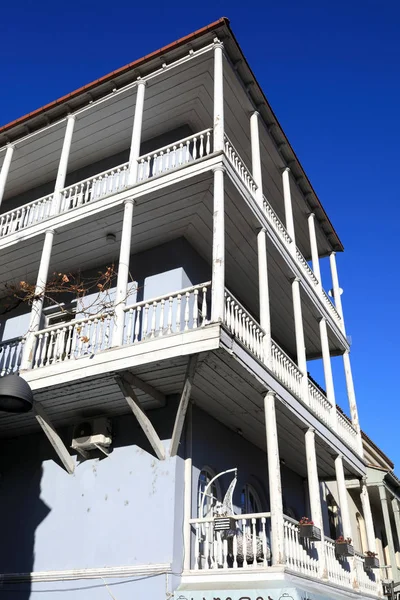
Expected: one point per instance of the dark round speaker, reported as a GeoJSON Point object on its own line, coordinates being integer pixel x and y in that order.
{"type": "Point", "coordinates": [15, 394]}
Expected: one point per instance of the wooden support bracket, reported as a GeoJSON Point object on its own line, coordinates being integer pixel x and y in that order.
{"type": "Point", "coordinates": [140, 415]}
{"type": "Point", "coordinates": [53, 437]}
{"type": "Point", "coordinates": [183, 404]}
{"type": "Point", "coordinates": [136, 382]}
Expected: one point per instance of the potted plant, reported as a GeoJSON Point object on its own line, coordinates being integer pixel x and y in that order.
{"type": "Point", "coordinates": [308, 530]}
{"type": "Point", "coordinates": [371, 560]}
{"type": "Point", "coordinates": [343, 547]}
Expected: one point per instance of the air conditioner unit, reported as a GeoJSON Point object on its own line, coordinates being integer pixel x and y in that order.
{"type": "Point", "coordinates": [92, 434]}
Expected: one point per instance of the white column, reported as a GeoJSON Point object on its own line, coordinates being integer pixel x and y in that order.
{"type": "Point", "coordinates": [287, 198]}
{"type": "Point", "coordinates": [123, 274]}
{"type": "Point", "coordinates": [218, 96]}
{"type": "Point", "coordinates": [315, 496]}
{"type": "Point", "coordinates": [314, 247]}
{"type": "Point", "coordinates": [274, 481]}
{"type": "Point", "coordinates": [396, 514]}
{"type": "Point", "coordinates": [388, 530]}
{"type": "Point", "coordinates": [351, 395]}
{"type": "Point", "coordinates": [256, 156]}
{"type": "Point", "coordinates": [369, 523]}
{"type": "Point", "coordinates": [37, 304]}
{"type": "Point", "coordinates": [187, 504]}
{"type": "Point", "coordinates": [299, 333]}
{"type": "Point", "coordinates": [218, 264]}
{"type": "Point", "coordinates": [5, 167]}
{"type": "Point", "coordinates": [336, 287]}
{"type": "Point", "coordinates": [326, 358]}
{"type": "Point", "coordinates": [63, 164]}
{"type": "Point", "coordinates": [263, 292]}
{"type": "Point", "coordinates": [136, 133]}
{"type": "Point", "coordinates": [343, 501]}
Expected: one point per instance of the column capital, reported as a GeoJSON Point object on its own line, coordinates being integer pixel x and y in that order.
{"type": "Point", "coordinates": [11, 146]}
{"type": "Point", "coordinates": [71, 117]}
{"type": "Point", "coordinates": [141, 81]}
{"type": "Point", "coordinates": [311, 214]}
{"type": "Point", "coordinates": [255, 113]}
{"type": "Point", "coordinates": [286, 170]}
{"type": "Point", "coordinates": [294, 279]}
{"type": "Point", "coordinates": [261, 230]}
{"type": "Point", "coordinates": [218, 44]}
{"type": "Point", "coordinates": [219, 168]}
{"type": "Point", "coordinates": [363, 480]}
{"type": "Point", "coordinates": [129, 201]}
{"type": "Point", "coordinates": [50, 230]}
{"type": "Point", "coordinates": [332, 253]}
{"type": "Point", "coordinates": [310, 430]}
{"type": "Point", "coordinates": [270, 393]}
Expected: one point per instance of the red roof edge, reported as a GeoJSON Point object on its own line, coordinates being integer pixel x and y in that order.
{"type": "Point", "coordinates": [120, 71]}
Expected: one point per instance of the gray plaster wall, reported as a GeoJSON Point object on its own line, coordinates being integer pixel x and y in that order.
{"type": "Point", "coordinates": [125, 509]}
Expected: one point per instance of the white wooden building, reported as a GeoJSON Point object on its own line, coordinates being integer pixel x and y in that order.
{"type": "Point", "coordinates": [176, 169]}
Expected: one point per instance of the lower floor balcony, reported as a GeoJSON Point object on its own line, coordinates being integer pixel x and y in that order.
{"type": "Point", "coordinates": [245, 547]}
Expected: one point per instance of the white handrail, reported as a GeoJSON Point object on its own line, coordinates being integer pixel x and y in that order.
{"type": "Point", "coordinates": [239, 322]}
{"type": "Point", "coordinates": [286, 369]}
{"type": "Point", "coordinates": [239, 165]}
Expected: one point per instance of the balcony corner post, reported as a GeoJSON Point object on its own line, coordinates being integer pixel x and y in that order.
{"type": "Point", "coordinates": [326, 358]}
{"type": "Point", "coordinates": [388, 531]}
{"type": "Point", "coordinates": [287, 198]}
{"type": "Point", "coordinates": [218, 253]}
{"type": "Point", "coordinates": [136, 133]}
{"type": "Point", "coordinates": [218, 131]}
{"type": "Point", "coordinates": [314, 249]}
{"type": "Point", "coordinates": [299, 333]}
{"type": "Point", "coordinates": [187, 508]}
{"type": "Point", "coordinates": [5, 169]}
{"type": "Point", "coordinates": [315, 497]}
{"type": "Point", "coordinates": [256, 156]}
{"type": "Point", "coordinates": [274, 481]}
{"type": "Point", "coordinates": [343, 501]}
{"type": "Point", "coordinates": [263, 290]}
{"type": "Point", "coordinates": [121, 291]}
{"type": "Point", "coordinates": [369, 523]}
{"type": "Point", "coordinates": [37, 304]}
{"type": "Point", "coordinates": [63, 164]}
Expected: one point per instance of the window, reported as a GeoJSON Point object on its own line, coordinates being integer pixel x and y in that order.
{"type": "Point", "coordinates": [213, 494]}
{"type": "Point", "coordinates": [250, 500]}
{"type": "Point", "coordinates": [332, 516]}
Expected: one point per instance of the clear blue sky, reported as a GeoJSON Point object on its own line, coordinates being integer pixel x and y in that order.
{"type": "Point", "coordinates": [331, 72]}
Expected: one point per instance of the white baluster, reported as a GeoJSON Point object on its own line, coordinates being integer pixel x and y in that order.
{"type": "Point", "coordinates": [208, 143]}
{"type": "Point", "coordinates": [244, 542]}
{"type": "Point", "coordinates": [201, 148]}
{"type": "Point", "coordinates": [169, 318]}
{"type": "Point", "coordinates": [254, 540]}
{"type": "Point", "coordinates": [197, 547]}
{"type": "Point", "coordinates": [178, 312]}
{"type": "Point", "coordinates": [161, 323]}
{"type": "Point", "coordinates": [195, 308]}
{"type": "Point", "coordinates": [137, 324]}
{"type": "Point", "coordinates": [145, 321]}
{"type": "Point", "coordinates": [186, 317]}
{"type": "Point", "coordinates": [153, 320]}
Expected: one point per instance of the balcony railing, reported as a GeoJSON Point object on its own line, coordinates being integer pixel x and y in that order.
{"type": "Point", "coordinates": [24, 216]}
{"type": "Point", "coordinates": [346, 431]}
{"type": "Point", "coordinates": [73, 340]}
{"type": "Point", "coordinates": [301, 554]}
{"type": "Point", "coordinates": [10, 355]}
{"type": "Point", "coordinates": [319, 403]}
{"type": "Point", "coordinates": [245, 546]}
{"type": "Point", "coordinates": [239, 165]}
{"type": "Point", "coordinates": [179, 311]}
{"type": "Point", "coordinates": [306, 268]}
{"type": "Point", "coordinates": [103, 184]}
{"type": "Point", "coordinates": [276, 222]}
{"type": "Point", "coordinates": [239, 322]}
{"type": "Point", "coordinates": [285, 369]}
{"type": "Point", "coordinates": [175, 155]}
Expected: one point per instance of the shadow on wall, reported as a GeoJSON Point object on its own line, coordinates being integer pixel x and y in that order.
{"type": "Point", "coordinates": [22, 509]}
